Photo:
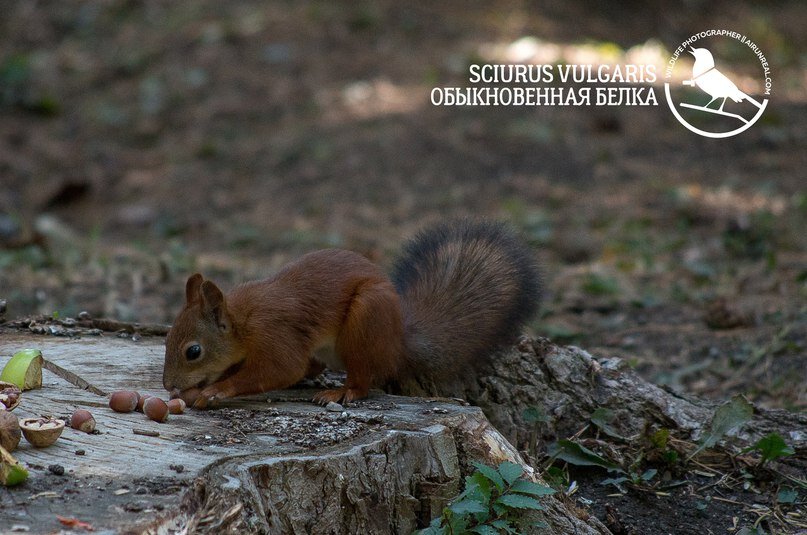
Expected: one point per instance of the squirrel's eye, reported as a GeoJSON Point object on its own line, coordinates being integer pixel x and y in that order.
{"type": "Point", "coordinates": [193, 352]}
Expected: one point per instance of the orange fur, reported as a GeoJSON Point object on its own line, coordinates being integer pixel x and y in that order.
{"type": "Point", "coordinates": [459, 292]}
{"type": "Point", "coordinates": [277, 324]}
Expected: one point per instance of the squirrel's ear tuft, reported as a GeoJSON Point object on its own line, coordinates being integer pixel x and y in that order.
{"type": "Point", "coordinates": [212, 300]}
{"type": "Point", "coordinates": [192, 287]}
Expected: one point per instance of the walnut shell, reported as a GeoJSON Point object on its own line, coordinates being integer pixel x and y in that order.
{"type": "Point", "coordinates": [41, 432]}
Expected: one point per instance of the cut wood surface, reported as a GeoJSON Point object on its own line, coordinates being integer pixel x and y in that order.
{"type": "Point", "coordinates": [121, 478]}
{"type": "Point", "coordinates": [277, 465]}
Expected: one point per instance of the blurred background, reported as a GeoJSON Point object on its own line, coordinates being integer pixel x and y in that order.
{"type": "Point", "coordinates": [141, 141]}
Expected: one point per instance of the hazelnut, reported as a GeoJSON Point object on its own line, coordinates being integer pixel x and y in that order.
{"type": "Point", "coordinates": [176, 406]}
{"type": "Point", "coordinates": [123, 401]}
{"type": "Point", "coordinates": [41, 432]}
{"type": "Point", "coordinates": [141, 400]}
{"type": "Point", "coordinates": [9, 431]}
{"type": "Point", "coordinates": [155, 409]}
{"type": "Point", "coordinates": [83, 421]}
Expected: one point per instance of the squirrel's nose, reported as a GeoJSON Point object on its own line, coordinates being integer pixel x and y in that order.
{"type": "Point", "coordinates": [169, 384]}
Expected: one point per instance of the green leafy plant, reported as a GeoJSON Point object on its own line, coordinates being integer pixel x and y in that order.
{"type": "Point", "coordinates": [556, 477]}
{"type": "Point", "coordinates": [637, 479]}
{"type": "Point", "coordinates": [494, 501]}
{"type": "Point", "coordinates": [660, 438]}
{"type": "Point", "coordinates": [770, 447]}
{"type": "Point", "coordinates": [728, 416]}
{"type": "Point", "coordinates": [659, 442]}
{"type": "Point", "coordinates": [633, 474]}
{"type": "Point", "coordinates": [579, 455]}
{"type": "Point", "coordinates": [534, 415]}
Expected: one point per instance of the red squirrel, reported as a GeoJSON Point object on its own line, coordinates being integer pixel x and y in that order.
{"type": "Point", "coordinates": [458, 292]}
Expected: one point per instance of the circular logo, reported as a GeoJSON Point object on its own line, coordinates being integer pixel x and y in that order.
{"type": "Point", "coordinates": [706, 94]}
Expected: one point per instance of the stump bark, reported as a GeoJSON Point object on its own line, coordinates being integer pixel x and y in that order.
{"type": "Point", "coordinates": [568, 385]}
{"type": "Point", "coordinates": [393, 481]}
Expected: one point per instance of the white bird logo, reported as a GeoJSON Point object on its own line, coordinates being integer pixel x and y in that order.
{"type": "Point", "coordinates": [713, 82]}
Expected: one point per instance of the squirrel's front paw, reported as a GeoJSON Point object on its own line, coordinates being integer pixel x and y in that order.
{"type": "Point", "coordinates": [209, 397]}
{"type": "Point", "coordinates": [189, 396]}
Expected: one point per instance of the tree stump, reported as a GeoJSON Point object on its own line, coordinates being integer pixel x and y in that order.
{"type": "Point", "coordinates": [280, 464]}
{"type": "Point", "coordinates": [383, 465]}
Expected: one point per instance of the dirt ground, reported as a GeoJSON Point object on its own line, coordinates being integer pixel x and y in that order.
{"type": "Point", "coordinates": [142, 140]}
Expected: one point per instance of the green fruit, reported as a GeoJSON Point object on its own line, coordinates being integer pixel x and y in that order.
{"type": "Point", "coordinates": [24, 369]}
{"type": "Point", "coordinates": [11, 471]}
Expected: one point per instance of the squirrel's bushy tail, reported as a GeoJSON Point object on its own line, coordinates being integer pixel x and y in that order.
{"type": "Point", "coordinates": [466, 289]}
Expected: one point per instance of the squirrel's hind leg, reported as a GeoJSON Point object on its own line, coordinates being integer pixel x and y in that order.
{"type": "Point", "coordinates": [340, 395]}
{"type": "Point", "coordinates": [369, 342]}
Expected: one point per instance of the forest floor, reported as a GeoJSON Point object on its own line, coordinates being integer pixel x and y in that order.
{"type": "Point", "coordinates": [142, 141]}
